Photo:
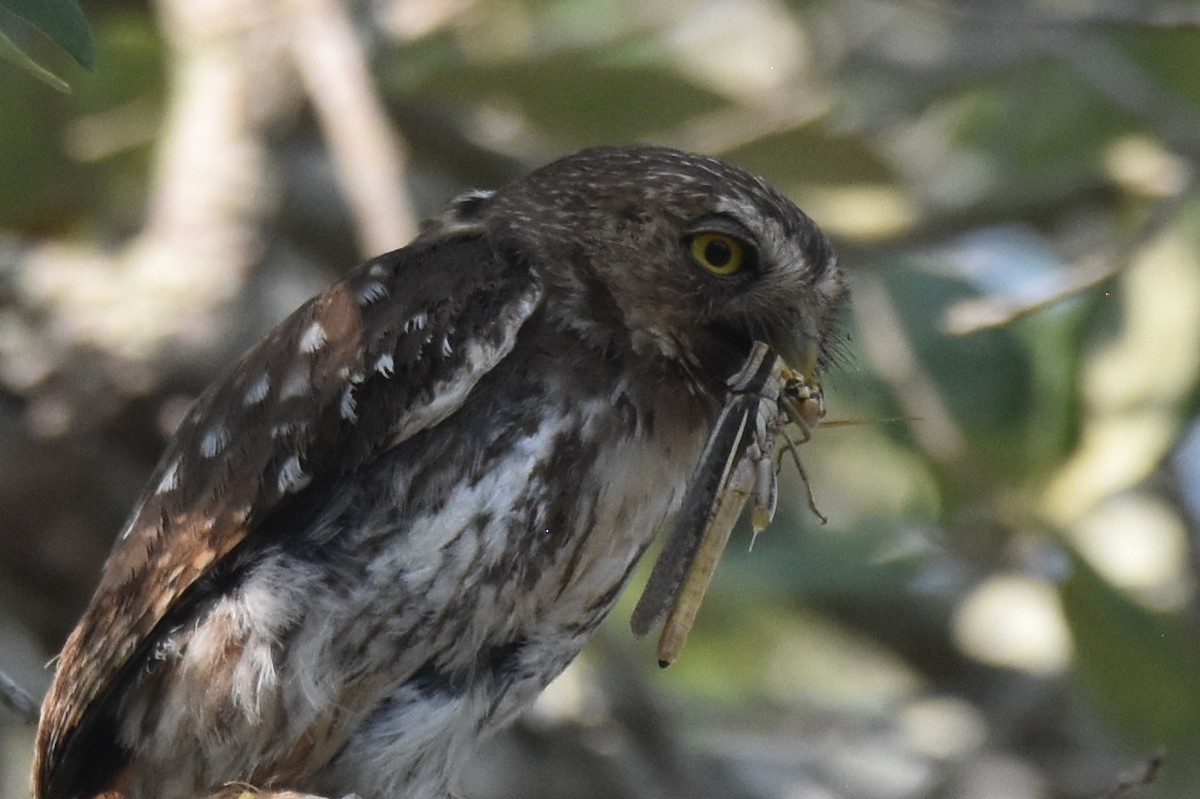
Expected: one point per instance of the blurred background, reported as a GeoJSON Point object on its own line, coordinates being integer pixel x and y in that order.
{"type": "Point", "coordinates": [1003, 602]}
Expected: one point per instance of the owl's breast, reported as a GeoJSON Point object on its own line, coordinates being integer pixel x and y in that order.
{"type": "Point", "coordinates": [494, 556]}
{"type": "Point", "coordinates": [524, 513]}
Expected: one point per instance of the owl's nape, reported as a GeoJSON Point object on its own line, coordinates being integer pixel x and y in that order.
{"type": "Point", "coordinates": [403, 513]}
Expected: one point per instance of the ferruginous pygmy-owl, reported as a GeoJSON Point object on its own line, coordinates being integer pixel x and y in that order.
{"type": "Point", "coordinates": [399, 516]}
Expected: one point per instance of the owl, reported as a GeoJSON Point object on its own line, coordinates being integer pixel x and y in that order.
{"type": "Point", "coordinates": [398, 517]}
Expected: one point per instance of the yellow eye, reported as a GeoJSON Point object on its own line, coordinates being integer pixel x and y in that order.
{"type": "Point", "coordinates": [718, 253]}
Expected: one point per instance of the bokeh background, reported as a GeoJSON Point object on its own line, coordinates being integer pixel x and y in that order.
{"type": "Point", "coordinates": [1003, 603]}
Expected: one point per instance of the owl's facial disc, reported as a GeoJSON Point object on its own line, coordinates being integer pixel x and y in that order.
{"type": "Point", "coordinates": [767, 280]}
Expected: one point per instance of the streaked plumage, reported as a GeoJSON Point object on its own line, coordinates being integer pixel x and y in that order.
{"type": "Point", "coordinates": [406, 510]}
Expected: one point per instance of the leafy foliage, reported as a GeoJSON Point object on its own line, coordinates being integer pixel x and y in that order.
{"type": "Point", "coordinates": [62, 22]}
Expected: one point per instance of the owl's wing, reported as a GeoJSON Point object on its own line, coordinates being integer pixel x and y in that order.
{"type": "Point", "coordinates": [390, 350]}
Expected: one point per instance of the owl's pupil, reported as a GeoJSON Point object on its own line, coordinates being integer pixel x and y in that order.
{"type": "Point", "coordinates": [718, 253]}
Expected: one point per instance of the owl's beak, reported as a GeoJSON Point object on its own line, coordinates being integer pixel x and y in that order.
{"type": "Point", "coordinates": [799, 351]}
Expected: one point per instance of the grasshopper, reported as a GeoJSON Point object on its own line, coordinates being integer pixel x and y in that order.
{"type": "Point", "coordinates": [741, 457]}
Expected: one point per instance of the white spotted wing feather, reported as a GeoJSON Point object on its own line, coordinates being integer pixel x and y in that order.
{"type": "Point", "coordinates": [388, 351]}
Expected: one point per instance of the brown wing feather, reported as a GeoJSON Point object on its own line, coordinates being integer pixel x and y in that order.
{"type": "Point", "coordinates": [391, 349]}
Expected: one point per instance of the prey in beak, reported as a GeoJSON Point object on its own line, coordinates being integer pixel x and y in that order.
{"type": "Point", "coordinates": [741, 458]}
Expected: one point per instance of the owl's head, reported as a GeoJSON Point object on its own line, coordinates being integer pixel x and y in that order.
{"type": "Point", "coordinates": [690, 257]}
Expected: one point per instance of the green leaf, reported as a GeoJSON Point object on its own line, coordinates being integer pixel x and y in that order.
{"type": "Point", "coordinates": [63, 22]}
{"type": "Point", "coordinates": [10, 52]}
{"type": "Point", "coordinates": [1140, 666]}
{"type": "Point", "coordinates": [581, 97]}
{"type": "Point", "coordinates": [814, 154]}
{"type": "Point", "coordinates": [984, 379]}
